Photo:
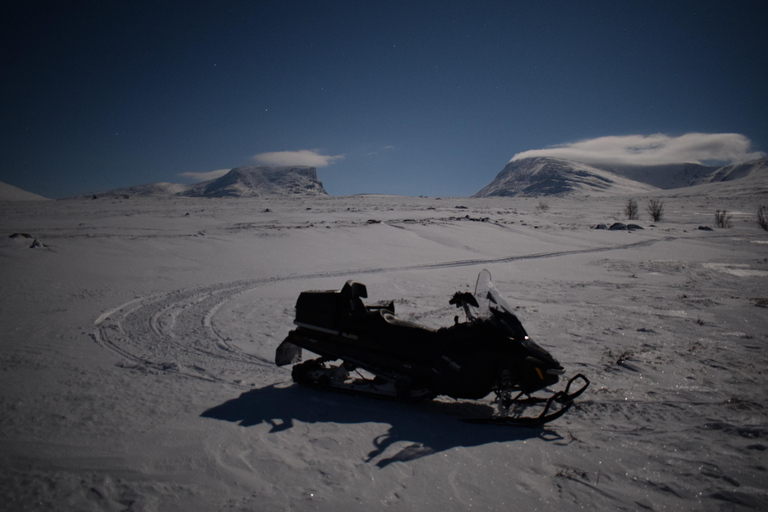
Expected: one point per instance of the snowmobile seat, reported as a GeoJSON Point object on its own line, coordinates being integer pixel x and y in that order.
{"type": "Point", "coordinates": [393, 335]}
{"type": "Point", "coordinates": [405, 324]}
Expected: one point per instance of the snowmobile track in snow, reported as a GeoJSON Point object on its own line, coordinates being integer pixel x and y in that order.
{"type": "Point", "coordinates": [174, 332]}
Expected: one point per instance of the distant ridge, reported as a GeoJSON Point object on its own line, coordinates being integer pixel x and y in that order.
{"type": "Point", "coordinates": [248, 181]}
{"type": "Point", "coordinates": [11, 193]}
{"type": "Point", "coordinates": [543, 176]}
{"type": "Point", "coordinates": [753, 169]}
{"type": "Point", "coordinates": [255, 181]}
{"type": "Point", "coordinates": [146, 190]}
{"type": "Point", "coordinates": [664, 176]}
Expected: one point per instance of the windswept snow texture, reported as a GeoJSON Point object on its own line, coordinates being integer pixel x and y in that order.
{"type": "Point", "coordinates": [249, 181]}
{"type": "Point", "coordinates": [11, 193]}
{"type": "Point", "coordinates": [137, 347]}
{"type": "Point", "coordinates": [541, 176]}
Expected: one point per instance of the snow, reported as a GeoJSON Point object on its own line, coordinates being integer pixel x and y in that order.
{"type": "Point", "coordinates": [247, 181]}
{"type": "Point", "coordinates": [739, 171]}
{"type": "Point", "coordinates": [137, 349]}
{"type": "Point", "coordinates": [543, 176]}
{"type": "Point", "coordinates": [11, 193]}
{"type": "Point", "coordinates": [540, 176]}
{"type": "Point", "coordinates": [254, 181]}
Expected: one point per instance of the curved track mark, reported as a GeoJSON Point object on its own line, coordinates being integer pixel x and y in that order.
{"type": "Point", "coordinates": [175, 332]}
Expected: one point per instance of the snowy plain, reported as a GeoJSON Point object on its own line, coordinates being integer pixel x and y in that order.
{"type": "Point", "coordinates": [137, 348]}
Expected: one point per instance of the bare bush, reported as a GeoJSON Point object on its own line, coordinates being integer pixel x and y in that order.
{"type": "Point", "coordinates": [630, 209]}
{"type": "Point", "coordinates": [656, 209]}
{"type": "Point", "coordinates": [542, 206]}
{"type": "Point", "coordinates": [762, 217]}
{"type": "Point", "coordinates": [722, 219]}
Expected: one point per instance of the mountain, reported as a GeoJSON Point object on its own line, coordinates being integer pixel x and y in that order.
{"type": "Point", "coordinates": [541, 176]}
{"type": "Point", "coordinates": [249, 181]}
{"type": "Point", "coordinates": [11, 193]}
{"type": "Point", "coordinates": [664, 176]}
{"type": "Point", "coordinates": [258, 181]}
{"type": "Point", "coordinates": [544, 176]}
{"type": "Point", "coordinates": [754, 169]}
{"type": "Point", "coordinates": [147, 190]}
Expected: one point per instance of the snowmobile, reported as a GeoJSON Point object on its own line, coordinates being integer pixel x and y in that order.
{"type": "Point", "coordinates": [367, 350]}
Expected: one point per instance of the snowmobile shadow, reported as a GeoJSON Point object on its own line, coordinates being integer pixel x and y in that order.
{"type": "Point", "coordinates": [430, 427]}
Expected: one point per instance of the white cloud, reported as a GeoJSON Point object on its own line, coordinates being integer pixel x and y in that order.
{"type": "Point", "coordinates": [652, 149]}
{"type": "Point", "coordinates": [205, 176]}
{"type": "Point", "coordinates": [301, 157]}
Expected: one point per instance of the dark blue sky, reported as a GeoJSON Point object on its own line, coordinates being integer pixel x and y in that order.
{"type": "Point", "coordinates": [428, 98]}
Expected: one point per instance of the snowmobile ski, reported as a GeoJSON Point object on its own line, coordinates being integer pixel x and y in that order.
{"type": "Point", "coordinates": [562, 402]}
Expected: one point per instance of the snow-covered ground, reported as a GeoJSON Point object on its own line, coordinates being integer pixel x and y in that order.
{"type": "Point", "coordinates": [137, 348]}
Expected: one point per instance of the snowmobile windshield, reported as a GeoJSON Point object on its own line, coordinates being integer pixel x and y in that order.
{"type": "Point", "coordinates": [493, 306]}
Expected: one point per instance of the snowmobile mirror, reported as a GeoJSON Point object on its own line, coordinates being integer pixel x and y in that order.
{"type": "Point", "coordinates": [461, 298]}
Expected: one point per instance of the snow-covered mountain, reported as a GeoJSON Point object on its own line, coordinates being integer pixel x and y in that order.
{"type": "Point", "coordinates": [249, 181]}
{"type": "Point", "coordinates": [665, 176]}
{"type": "Point", "coordinates": [147, 190]}
{"type": "Point", "coordinates": [11, 193]}
{"type": "Point", "coordinates": [541, 176]}
{"type": "Point", "coordinates": [260, 181]}
{"type": "Point", "coordinates": [755, 169]}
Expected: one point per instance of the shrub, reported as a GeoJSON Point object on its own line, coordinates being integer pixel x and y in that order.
{"type": "Point", "coordinates": [631, 209]}
{"type": "Point", "coordinates": [762, 217]}
{"type": "Point", "coordinates": [722, 219]}
{"type": "Point", "coordinates": [656, 209]}
{"type": "Point", "coordinates": [542, 206]}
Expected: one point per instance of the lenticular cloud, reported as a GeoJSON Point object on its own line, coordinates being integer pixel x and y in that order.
{"type": "Point", "coordinates": [656, 149]}
{"type": "Point", "coordinates": [301, 157]}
